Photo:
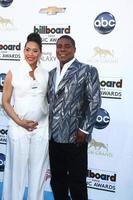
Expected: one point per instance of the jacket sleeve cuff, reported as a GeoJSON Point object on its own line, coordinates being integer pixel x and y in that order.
{"type": "Point", "coordinates": [84, 131]}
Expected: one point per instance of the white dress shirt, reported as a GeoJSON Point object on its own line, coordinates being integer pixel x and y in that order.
{"type": "Point", "coordinates": [60, 73]}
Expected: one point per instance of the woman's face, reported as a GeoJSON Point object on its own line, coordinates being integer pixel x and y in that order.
{"type": "Point", "coordinates": [32, 53]}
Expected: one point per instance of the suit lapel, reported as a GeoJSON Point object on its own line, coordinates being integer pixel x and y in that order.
{"type": "Point", "coordinates": [52, 78]}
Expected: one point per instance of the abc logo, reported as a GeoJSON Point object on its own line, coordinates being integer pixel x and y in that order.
{"type": "Point", "coordinates": [104, 23]}
{"type": "Point", "coordinates": [2, 78]}
{"type": "Point", "coordinates": [2, 162]}
{"type": "Point", "coordinates": [102, 120]}
{"type": "Point", "coordinates": [5, 3]}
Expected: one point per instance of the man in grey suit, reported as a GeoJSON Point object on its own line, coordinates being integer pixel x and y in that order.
{"type": "Point", "coordinates": [74, 101]}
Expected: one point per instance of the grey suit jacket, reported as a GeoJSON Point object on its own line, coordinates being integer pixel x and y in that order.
{"type": "Point", "coordinates": [75, 104]}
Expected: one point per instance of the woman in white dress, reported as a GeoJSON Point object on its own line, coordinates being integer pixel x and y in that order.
{"type": "Point", "coordinates": [27, 141]}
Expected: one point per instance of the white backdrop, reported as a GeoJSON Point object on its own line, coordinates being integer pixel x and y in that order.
{"type": "Point", "coordinates": [110, 152]}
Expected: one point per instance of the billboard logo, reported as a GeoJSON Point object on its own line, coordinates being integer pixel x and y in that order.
{"type": "Point", "coordinates": [102, 176]}
{"type": "Point", "coordinates": [10, 47]}
{"type": "Point", "coordinates": [3, 133]}
{"type": "Point", "coordinates": [51, 30]}
{"type": "Point", "coordinates": [111, 87]}
{"type": "Point", "coordinates": [102, 180]}
{"type": "Point", "coordinates": [50, 33]}
{"type": "Point", "coordinates": [104, 23]}
{"type": "Point", "coordinates": [10, 51]}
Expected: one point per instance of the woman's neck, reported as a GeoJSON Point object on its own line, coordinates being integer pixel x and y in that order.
{"type": "Point", "coordinates": [33, 67]}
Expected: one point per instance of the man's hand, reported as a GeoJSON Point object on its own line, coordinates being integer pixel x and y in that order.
{"type": "Point", "coordinates": [80, 137]}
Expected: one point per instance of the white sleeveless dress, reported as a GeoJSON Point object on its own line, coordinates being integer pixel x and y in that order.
{"type": "Point", "coordinates": [27, 152]}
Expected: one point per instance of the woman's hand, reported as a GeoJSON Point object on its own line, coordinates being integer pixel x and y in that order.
{"type": "Point", "coordinates": [29, 125]}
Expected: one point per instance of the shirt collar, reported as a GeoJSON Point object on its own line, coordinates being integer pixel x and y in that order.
{"type": "Point", "coordinates": [60, 74]}
{"type": "Point", "coordinates": [65, 67]}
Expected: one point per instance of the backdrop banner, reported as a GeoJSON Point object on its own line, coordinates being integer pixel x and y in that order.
{"type": "Point", "coordinates": [103, 34]}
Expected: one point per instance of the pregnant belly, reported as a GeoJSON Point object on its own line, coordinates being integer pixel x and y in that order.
{"type": "Point", "coordinates": [30, 111]}
{"type": "Point", "coordinates": [36, 115]}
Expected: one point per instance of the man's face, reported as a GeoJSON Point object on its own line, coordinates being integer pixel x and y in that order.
{"type": "Point", "coordinates": [65, 50]}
